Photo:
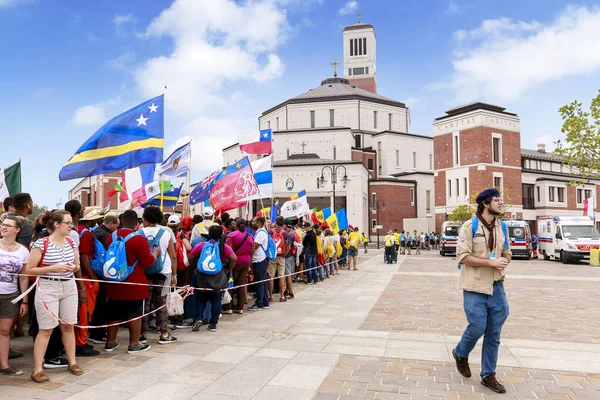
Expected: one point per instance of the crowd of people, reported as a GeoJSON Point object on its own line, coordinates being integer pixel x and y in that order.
{"type": "Point", "coordinates": [162, 252]}
{"type": "Point", "coordinates": [403, 242]}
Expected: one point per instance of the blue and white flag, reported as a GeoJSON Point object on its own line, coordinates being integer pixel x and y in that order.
{"type": "Point", "coordinates": [177, 165]}
{"type": "Point", "coordinates": [263, 174]}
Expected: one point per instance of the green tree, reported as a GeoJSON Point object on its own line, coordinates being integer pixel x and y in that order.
{"type": "Point", "coordinates": [461, 213]}
{"type": "Point", "coordinates": [37, 210]}
{"type": "Point", "coordinates": [580, 149]}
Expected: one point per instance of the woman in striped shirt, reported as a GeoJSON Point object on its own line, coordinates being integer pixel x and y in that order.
{"type": "Point", "coordinates": [55, 258]}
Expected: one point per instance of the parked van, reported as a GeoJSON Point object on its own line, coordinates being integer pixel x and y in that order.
{"type": "Point", "coordinates": [567, 238]}
{"type": "Point", "coordinates": [519, 238]}
{"type": "Point", "coordinates": [449, 237]}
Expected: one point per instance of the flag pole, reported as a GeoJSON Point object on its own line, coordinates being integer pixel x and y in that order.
{"type": "Point", "coordinates": [162, 196]}
{"type": "Point", "coordinates": [187, 185]}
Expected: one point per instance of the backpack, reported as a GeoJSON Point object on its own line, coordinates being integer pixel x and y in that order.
{"type": "Point", "coordinates": [210, 262]}
{"type": "Point", "coordinates": [180, 252]}
{"type": "Point", "coordinates": [45, 249]}
{"type": "Point", "coordinates": [338, 248]}
{"type": "Point", "coordinates": [279, 241]}
{"type": "Point", "coordinates": [330, 250]}
{"type": "Point", "coordinates": [294, 249]}
{"type": "Point", "coordinates": [271, 250]}
{"type": "Point", "coordinates": [154, 242]}
{"type": "Point", "coordinates": [99, 253]}
{"type": "Point", "coordinates": [115, 266]}
{"type": "Point", "coordinates": [475, 226]}
{"type": "Point", "coordinates": [388, 241]}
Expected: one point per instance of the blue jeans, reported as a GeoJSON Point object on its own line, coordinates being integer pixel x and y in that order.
{"type": "Point", "coordinates": [262, 289]}
{"type": "Point", "coordinates": [202, 300]}
{"type": "Point", "coordinates": [389, 254]}
{"type": "Point", "coordinates": [331, 265]}
{"type": "Point", "coordinates": [486, 315]}
{"type": "Point", "coordinates": [311, 262]}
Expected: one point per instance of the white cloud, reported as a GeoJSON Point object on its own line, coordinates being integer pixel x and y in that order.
{"type": "Point", "coordinates": [121, 21]}
{"type": "Point", "coordinates": [123, 62]}
{"type": "Point", "coordinates": [215, 43]}
{"type": "Point", "coordinates": [91, 37]}
{"type": "Point", "coordinates": [502, 58]}
{"type": "Point", "coordinates": [89, 115]}
{"type": "Point", "coordinates": [8, 3]}
{"type": "Point", "coordinates": [453, 9]}
{"type": "Point", "coordinates": [348, 8]}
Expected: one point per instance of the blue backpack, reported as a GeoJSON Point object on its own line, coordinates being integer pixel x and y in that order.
{"type": "Point", "coordinates": [115, 266]}
{"type": "Point", "coordinates": [210, 262]}
{"type": "Point", "coordinates": [99, 253]}
{"type": "Point", "coordinates": [271, 250]}
{"type": "Point", "coordinates": [475, 226]}
{"type": "Point", "coordinates": [154, 242]}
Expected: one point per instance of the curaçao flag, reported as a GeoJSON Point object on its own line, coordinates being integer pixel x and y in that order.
{"type": "Point", "coordinates": [130, 139]}
{"type": "Point", "coordinates": [234, 184]}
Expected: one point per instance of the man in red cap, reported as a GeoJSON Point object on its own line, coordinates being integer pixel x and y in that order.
{"type": "Point", "coordinates": [484, 255]}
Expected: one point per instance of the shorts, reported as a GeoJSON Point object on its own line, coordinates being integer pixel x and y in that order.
{"type": "Point", "coordinates": [61, 298]}
{"type": "Point", "coordinates": [276, 266]}
{"type": "Point", "coordinates": [123, 310]}
{"type": "Point", "coordinates": [352, 252]}
{"type": "Point", "coordinates": [8, 310]}
{"type": "Point", "coordinates": [290, 263]}
{"type": "Point", "coordinates": [403, 244]}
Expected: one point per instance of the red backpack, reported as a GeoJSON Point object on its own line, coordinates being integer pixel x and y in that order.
{"type": "Point", "coordinates": [179, 249]}
{"type": "Point", "coordinates": [279, 242]}
{"type": "Point", "coordinates": [294, 249]}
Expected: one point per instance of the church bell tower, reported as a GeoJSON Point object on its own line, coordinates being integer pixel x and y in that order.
{"type": "Point", "coordinates": [359, 56]}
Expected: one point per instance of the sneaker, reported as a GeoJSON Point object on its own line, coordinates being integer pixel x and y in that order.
{"type": "Point", "coordinates": [138, 349]}
{"type": "Point", "coordinates": [212, 328]}
{"type": "Point", "coordinates": [290, 296]}
{"type": "Point", "coordinates": [282, 299]}
{"type": "Point", "coordinates": [238, 311]}
{"type": "Point", "coordinates": [205, 322]}
{"type": "Point", "coordinates": [196, 326]}
{"type": "Point", "coordinates": [56, 362]}
{"type": "Point", "coordinates": [266, 307]}
{"type": "Point", "coordinates": [143, 339]}
{"type": "Point", "coordinates": [182, 325]}
{"type": "Point", "coordinates": [227, 311]}
{"type": "Point", "coordinates": [491, 382]}
{"type": "Point", "coordinates": [111, 346]}
{"type": "Point", "coordinates": [98, 341]}
{"type": "Point", "coordinates": [255, 308]}
{"type": "Point", "coordinates": [12, 371]}
{"type": "Point", "coordinates": [86, 351]}
{"type": "Point", "coordinates": [166, 338]}
{"type": "Point", "coordinates": [462, 365]}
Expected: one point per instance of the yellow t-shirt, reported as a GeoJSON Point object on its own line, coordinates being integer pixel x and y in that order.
{"type": "Point", "coordinates": [397, 236]}
{"type": "Point", "coordinates": [354, 239]}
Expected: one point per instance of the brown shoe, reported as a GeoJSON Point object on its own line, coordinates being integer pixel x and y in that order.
{"type": "Point", "coordinates": [40, 377]}
{"type": "Point", "coordinates": [75, 369]}
{"type": "Point", "coordinates": [491, 382]}
{"type": "Point", "coordinates": [12, 371]}
{"type": "Point", "coordinates": [462, 365]}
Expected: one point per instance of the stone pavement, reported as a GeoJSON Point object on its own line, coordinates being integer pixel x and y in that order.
{"type": "Point", "coordinates": [385, 331]}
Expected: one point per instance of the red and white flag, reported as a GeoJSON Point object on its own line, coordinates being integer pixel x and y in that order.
{"type": "Point", "coordinates": [257, 143]}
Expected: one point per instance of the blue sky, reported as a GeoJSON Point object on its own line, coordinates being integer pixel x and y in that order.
{"type": "Point", "coordinates": [69, 66]}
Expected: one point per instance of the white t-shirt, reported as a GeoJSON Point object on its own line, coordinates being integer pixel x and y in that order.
{"type": "Point", "coordinates": [11, 262]}
{"type": "Point", "coordinates": [261, 238]}
{"type": "Point", "coordinates": [164, 246]}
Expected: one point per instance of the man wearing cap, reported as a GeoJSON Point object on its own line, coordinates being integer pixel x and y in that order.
{"type": "Point", "coordinates": [86, 250]}
{"type": "Point", "coordinates": [484, 257]}
{"type": "Point", "coordinates": [201, 229]}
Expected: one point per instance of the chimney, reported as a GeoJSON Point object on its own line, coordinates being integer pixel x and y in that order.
{"type": "Point", "coordinates": [541, 147]}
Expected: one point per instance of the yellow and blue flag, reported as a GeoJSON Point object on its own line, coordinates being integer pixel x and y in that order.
{"type": "Point", "coordinates": [338, 221]}
{"type": "Point", "coordinates": [128, 140]}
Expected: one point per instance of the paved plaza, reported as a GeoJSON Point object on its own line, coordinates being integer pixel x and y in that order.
{"type": "Point", "coordinates": [383, 332]}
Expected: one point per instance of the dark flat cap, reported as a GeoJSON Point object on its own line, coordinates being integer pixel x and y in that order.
{"type": "Point", "coordinates": [486, 194]}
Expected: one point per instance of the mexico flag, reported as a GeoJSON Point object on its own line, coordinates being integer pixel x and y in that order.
{"type": "Point", "coordinates": [10, 181]}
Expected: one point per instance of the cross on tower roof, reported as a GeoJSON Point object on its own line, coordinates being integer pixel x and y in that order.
{"type": "Point", "coordinates": [335, 63]}
{"type": "Point", "coordinates": [359, 15]}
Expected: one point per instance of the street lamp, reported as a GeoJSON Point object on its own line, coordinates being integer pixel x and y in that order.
{"type": "Point", "coordinates": [382, 204]}
{"type": "Point", "coordinates": [334, 173]}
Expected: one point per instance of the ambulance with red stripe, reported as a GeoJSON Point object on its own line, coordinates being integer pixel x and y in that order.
{"type": "Point", "coordinates": [567, 238]}
{"type": "Point", "coordinates": [449, 237]}
{"type": "Point", "coordinates": [519, 238]}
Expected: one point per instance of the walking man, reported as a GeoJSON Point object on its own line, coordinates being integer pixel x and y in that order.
{"type": "Point", "coordinates": [484, 257]}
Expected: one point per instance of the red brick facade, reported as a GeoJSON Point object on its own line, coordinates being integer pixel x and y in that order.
{"type": "Point", "coordinates": [394, 199]}
{"type": "Point", "coordinates": [364, 157]}
{"type": "Point", "coordinates": [365, 84]}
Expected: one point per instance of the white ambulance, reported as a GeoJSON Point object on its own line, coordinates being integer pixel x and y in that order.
{"type": "Point", "coordinates": [449, 237]}
{"type": "Point", "coordinates": [519, 238]}
{"type": "Point", "coordinates": [567, 238]}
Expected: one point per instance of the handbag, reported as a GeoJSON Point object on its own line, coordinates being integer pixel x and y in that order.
{"type": "Point", "coordinates": [174, 303]}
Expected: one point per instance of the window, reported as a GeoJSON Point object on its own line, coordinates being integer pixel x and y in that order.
{"type": "Point", "coordinates": [579, 199]}
{"type": "Point", "coordinates": [457, 187]}
{"type": "Point", "coordinates": [349, 71]}
{"type": "Point", "coordinates": [498, 182]}
{"type": "Point", "coordinates": [496, 149]}
{"type": "Point", "coordinates": [374, 201]}
{"type": "Point", "coordinates": [431, 161]}
{"type": "Point", "coordinates": [375, 119]}
{"type": "Point", "coordinates": [360, 46]}
{"type": "Point", "coordinates": [389, 122]}
{"type": "Point", "coordinates": [358, 71]}
{"type": "Point", "coordinates": [288, 153]}
{"type": "Point", "coordinates": [312, 119]}
{"type": "Point", "coordinates": [561, 194]}
{"type": "Point", "coordinates": [379, 158]}
{"type": "Point", "coordinates": [357, 141]}
{"type": "Point", "coordinates": [449, 188]}
{"type": "Point", "coordinates": [456, 149]}
{"type": "Point", "coordinates": [277, 127]}
{"type": "Point", "coordinates": [528, 200]}
{"type": "Point", "coordinates": [334, 153]}
{"type": "Point", "coordinates": [538, 194]}
{"type": "Point", "coordinates": [370, 164]}
{"type": "Point", "coordinates": [331, 118]}
{"type": "Point", "coordinates": [412, 196]}
{"type": "Point", "coordinates": [351, 47]}
{"type": "Point", "coordinates": [428, 201]}
{"type": "Point", "coordinates": [373, 224]}
{"type": "Point", "coordinates": [365, 47]}
{"type": "Point", "coordinates": [397, 158]}
{"type": "Point", "coordinates": [414, 160]}
{"type": "Point", "coordinates": [466, 188]}
{"type": "Point", "coordinates": [268, 124]}
{"type": "Point", "coordinates": [551, 193]}
{"type": "Point", "coordinates": [366, 70]}
{"type": "Point", "coordinates": [588, 194]}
